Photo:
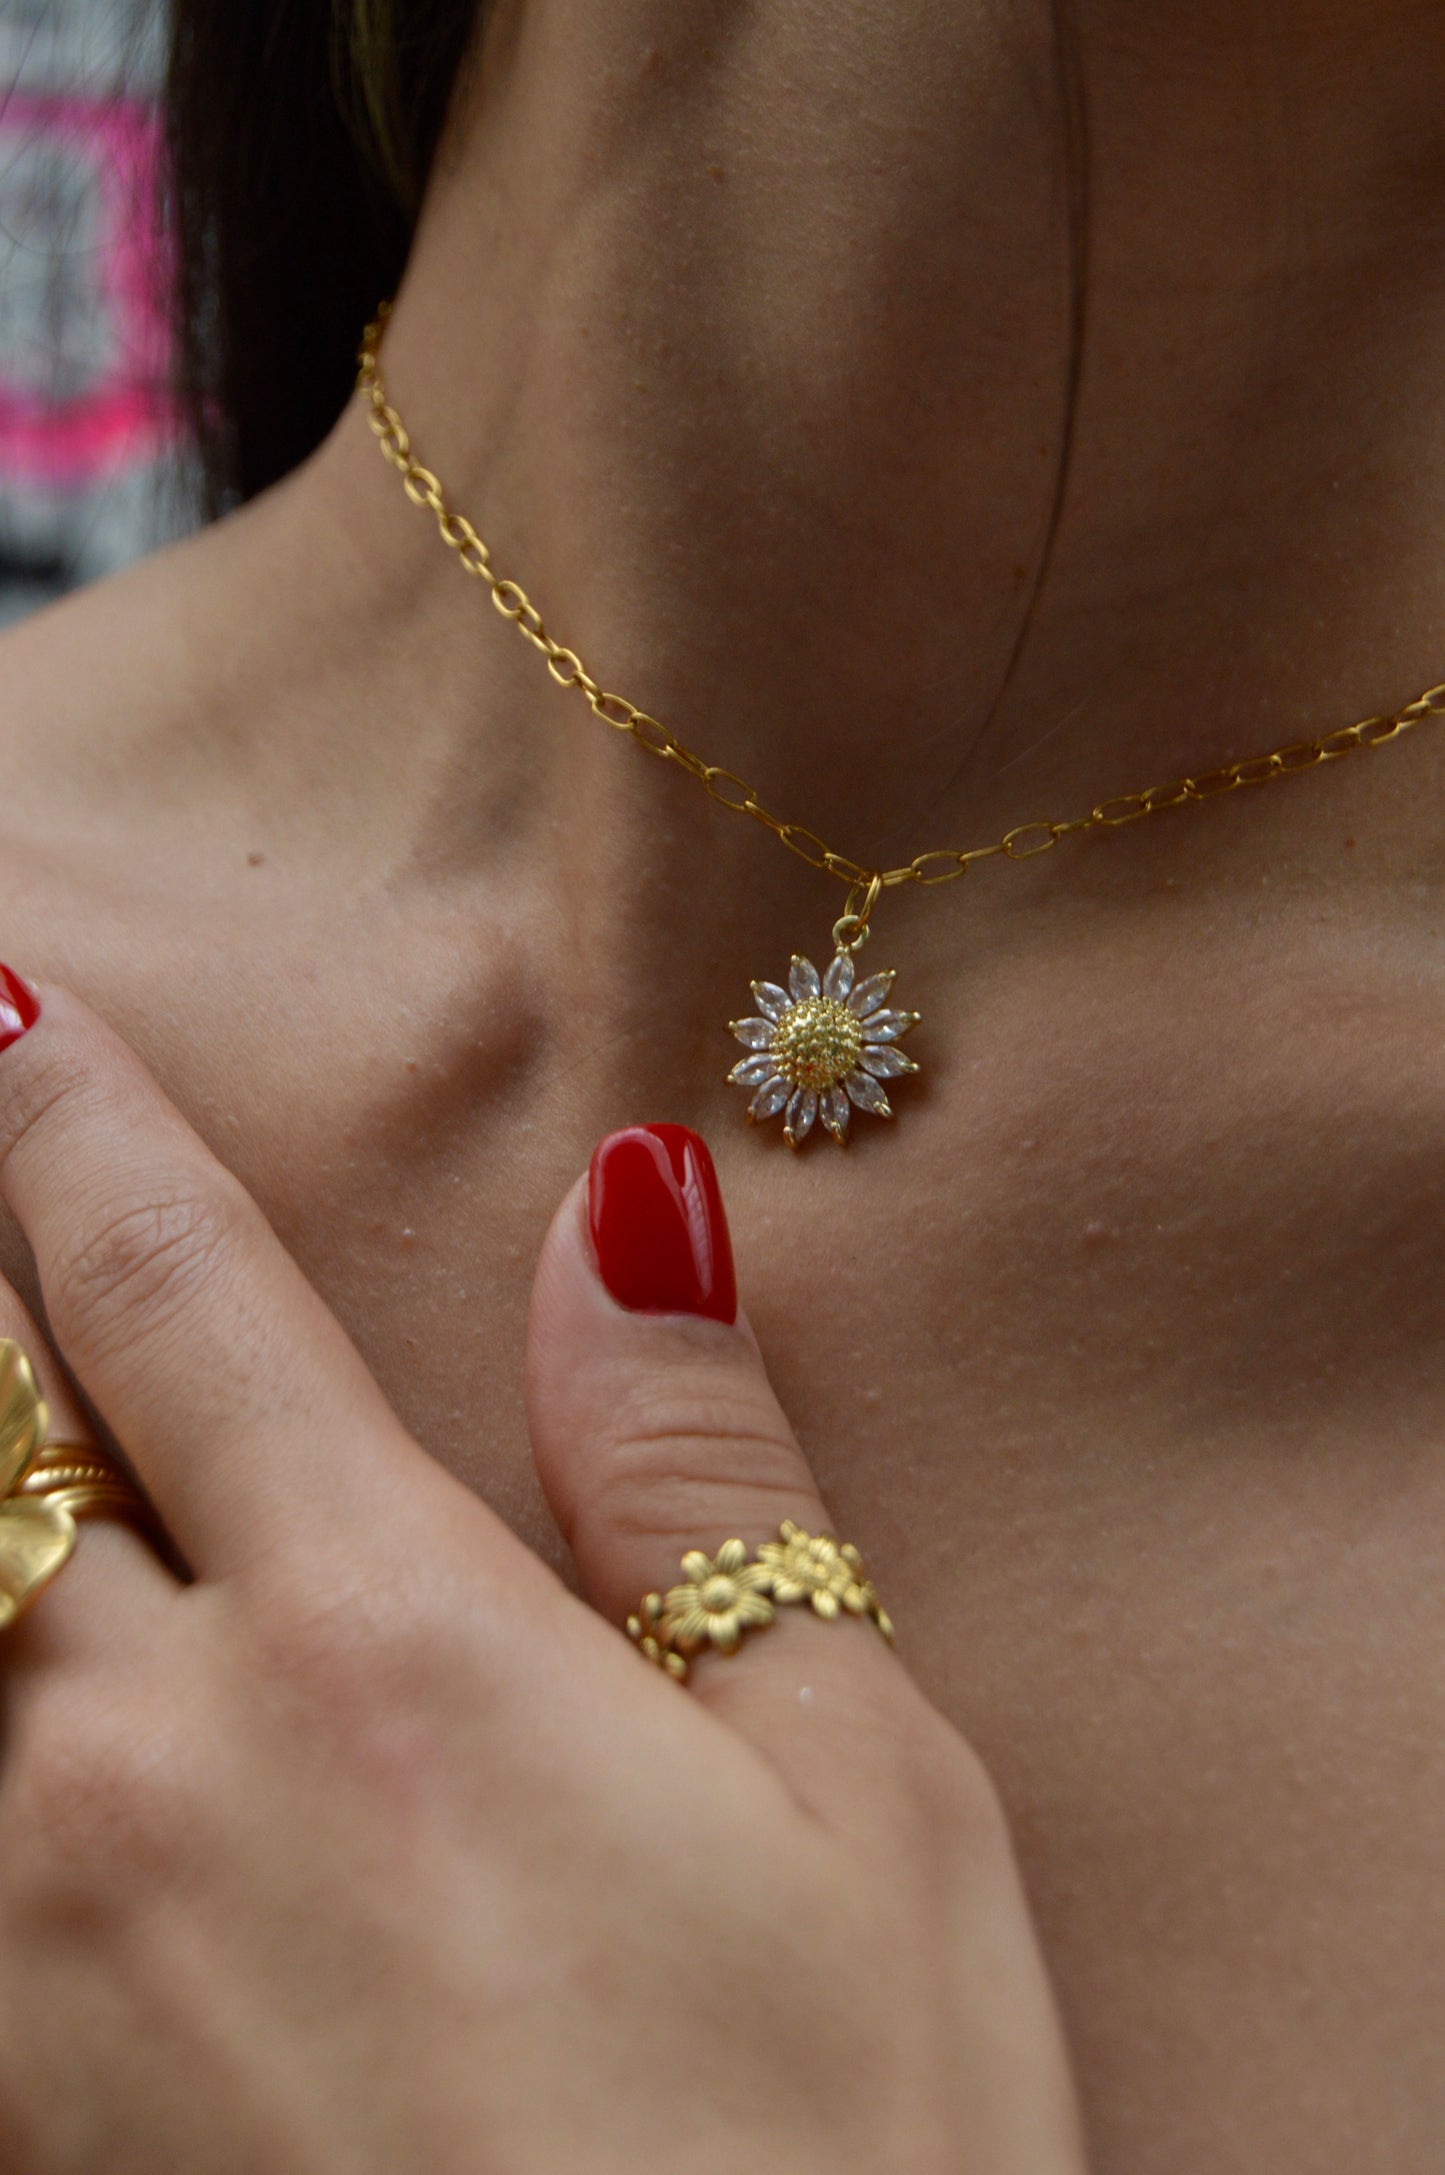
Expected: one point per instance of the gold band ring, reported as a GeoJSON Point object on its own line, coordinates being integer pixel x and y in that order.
{"type": "Point", "coordinates": [720, 1598]}
{"type": "Point", "coordinates": [46, 1486]}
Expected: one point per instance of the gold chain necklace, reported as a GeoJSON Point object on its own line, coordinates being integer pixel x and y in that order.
{"type": "Point", "coordinates": [825, 1044]}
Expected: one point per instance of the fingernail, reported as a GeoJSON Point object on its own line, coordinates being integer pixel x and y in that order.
{"type": "Point", "coordinates": [19, 1007]}
{"type": "Point", "coordinates": [658, 1224]}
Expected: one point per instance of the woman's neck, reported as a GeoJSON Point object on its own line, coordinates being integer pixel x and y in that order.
{"type": "Point", "coordinates": [936, 420]}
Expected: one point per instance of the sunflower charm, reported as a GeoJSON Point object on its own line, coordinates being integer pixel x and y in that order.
{"type": "Point", "coordinates": [819, 1047]}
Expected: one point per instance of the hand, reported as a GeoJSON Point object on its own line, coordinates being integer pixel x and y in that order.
{"type": "Point", "coordinates": [372, 1847]}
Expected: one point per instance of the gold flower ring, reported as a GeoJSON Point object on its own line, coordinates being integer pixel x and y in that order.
{"type": "Point", "coordinates": [719, 1598]}
{"type": "Point", "coordinates": [46, 1486]}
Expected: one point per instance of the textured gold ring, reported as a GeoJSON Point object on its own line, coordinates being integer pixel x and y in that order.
{"type": "Point", "coordinates": [720, 1598]}
{"type": "Point", "coordinates": [46, 1486]}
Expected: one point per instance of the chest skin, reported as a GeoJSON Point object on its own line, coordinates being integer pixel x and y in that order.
{"type": "Point", "coordinates": [1121, 1354]}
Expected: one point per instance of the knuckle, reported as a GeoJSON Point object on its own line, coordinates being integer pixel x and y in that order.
{"type": "Point", "coordinates": [103, 1803]}
{"type": "Point", "coordinates": [143, 1257]}
{"type": "Point", "coordinates": [351, 1641]}
{"type": "Point", "coordinates": [384, 1660]}
{"type": "Point", "coordinates": [662, 1460]}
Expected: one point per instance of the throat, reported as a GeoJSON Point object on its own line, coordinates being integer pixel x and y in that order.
{"type": "Point", "coordinates": [899, 460]}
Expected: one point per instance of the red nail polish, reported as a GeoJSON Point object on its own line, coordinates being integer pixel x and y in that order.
{"type": "Point", "coordinates": [19, 1007]}
{"type": "Point", "coordinates": [658, 1224]}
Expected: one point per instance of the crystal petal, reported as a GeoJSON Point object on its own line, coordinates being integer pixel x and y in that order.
{"type": "Point", "coordinates": [884, 1062]}
{"type": "Point", "coordinates": [867, 1094]}
{"type": "Point", "coordinates": [888, 1026]}
{"type": "Point", "coordinates": [839, 978]}
{"type": "Point", "coordinates": [869, 995]}
{"type": "Point", "coordinates": [769, 1099]}
{"type": "Point", "coordinates": [803, 979]}
{"type": "Point", "coordinates": [753, 1071]}
{"type": "Point", "coordinates": [835, 1112]}
{"type": "Point", "coordinates": [770, 999]}
{"type": "Point", "coordinates": [753, 1034]}
{"type": "Point", "coordinates": [802, 1110]}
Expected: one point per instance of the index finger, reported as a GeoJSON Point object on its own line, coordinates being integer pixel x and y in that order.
{"type": "Point", "coordinates": [223, 1376]}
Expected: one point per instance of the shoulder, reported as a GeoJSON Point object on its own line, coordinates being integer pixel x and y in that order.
{"type": "Point", "coordinates": [94, 691]}
{"type": "Point", "coordinates": [106, 683]}
{"type": "Point", "coordinates": [67, 667]}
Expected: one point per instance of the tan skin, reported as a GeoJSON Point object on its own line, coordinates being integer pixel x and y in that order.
{"type": "Point", "coordinates": [745, 344]}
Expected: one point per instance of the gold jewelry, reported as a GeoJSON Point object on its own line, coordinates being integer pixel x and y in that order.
{"type": "Point", "coordinates": [721, 1597]}
{"type": "Point", "coordinates": [45, 1487]}
{"type": "Point", "coordinates": [823, 1046]}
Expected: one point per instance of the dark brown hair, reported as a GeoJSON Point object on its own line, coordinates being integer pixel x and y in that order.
{"type": "Point", "coordinates": [299, 136]}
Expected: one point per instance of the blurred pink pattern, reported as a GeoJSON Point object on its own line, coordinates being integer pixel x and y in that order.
{"type": "Point", "coordinates": [92, 467]}
{"type": "Point", "coordinates": [119, 410]}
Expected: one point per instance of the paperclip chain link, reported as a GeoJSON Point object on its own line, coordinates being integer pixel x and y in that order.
{"type": "Point", "coordinates": [941, 865]}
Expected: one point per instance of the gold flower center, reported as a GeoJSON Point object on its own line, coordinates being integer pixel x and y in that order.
{"type": "Point", "coordinates": [719, 1594]}
{"type": "Point", "coordinates": [816, 1043]}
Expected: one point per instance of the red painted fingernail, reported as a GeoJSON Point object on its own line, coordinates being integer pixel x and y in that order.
{"type": "Point", "coordinates": [19, 1007]}
{"type": "Point", "coordinates": [658, 1224]}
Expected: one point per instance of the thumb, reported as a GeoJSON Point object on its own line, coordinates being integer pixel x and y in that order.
{"type": "Point", "coordinates": [655, 1428]}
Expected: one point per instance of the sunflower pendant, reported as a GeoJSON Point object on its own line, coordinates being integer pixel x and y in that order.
{"type": "Point", "coordinates": [821, 1048]}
